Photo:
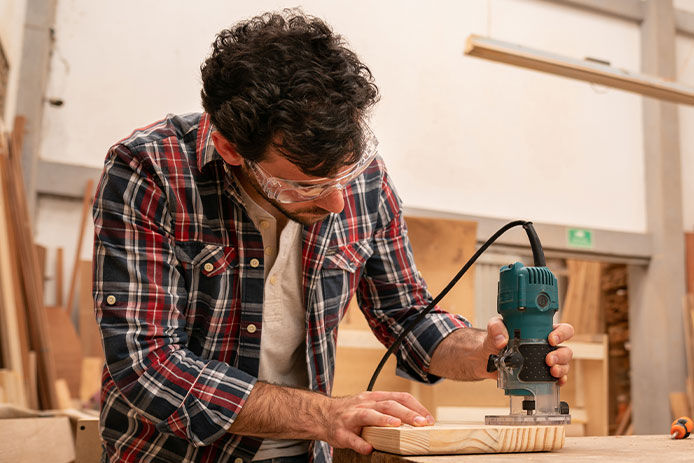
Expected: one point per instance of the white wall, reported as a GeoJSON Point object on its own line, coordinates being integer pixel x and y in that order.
{"type": "Point", "coordinates": [12, 13]}
{"type": "Point", "coordinates": [459, 133]}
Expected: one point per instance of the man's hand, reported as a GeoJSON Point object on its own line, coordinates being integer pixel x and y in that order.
{"type": "Point", "coordinates": [558, 360]}
{"type": "Point", "coordinates": [346, 416]}
{"type": "Point", "coordinates": [463, 354]}
{"type": "Point", "coordinates": [280, 412]}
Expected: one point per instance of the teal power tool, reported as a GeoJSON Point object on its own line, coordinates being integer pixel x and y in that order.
{"type": "Point", "coordinates": [527, 300]}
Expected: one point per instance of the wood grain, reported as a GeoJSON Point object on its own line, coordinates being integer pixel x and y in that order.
{"type": "Point", "coordinates": [460, 439]}
{"type": "Point", "coordinates": [634, 449]}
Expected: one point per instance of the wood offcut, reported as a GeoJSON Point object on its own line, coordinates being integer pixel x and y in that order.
{"type": "Point", "coordinates": [460, 439]}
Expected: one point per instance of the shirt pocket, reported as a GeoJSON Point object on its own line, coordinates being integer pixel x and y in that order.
{"type": "Point", "coordinates": [342, 269]}
{"type": "Point", "coordinates": [211, 278]}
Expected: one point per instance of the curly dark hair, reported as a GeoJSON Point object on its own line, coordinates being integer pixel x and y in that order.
{"type": "Point", "coordinates": [285, 78]}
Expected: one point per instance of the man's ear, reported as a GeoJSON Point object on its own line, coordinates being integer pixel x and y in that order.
{"type": "Point", "coordinates": [226, 149]}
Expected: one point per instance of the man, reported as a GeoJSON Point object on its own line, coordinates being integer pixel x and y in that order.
{"type": "Point", "coordinates": [227, 247]}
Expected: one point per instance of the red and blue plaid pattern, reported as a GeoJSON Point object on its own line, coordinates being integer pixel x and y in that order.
{"type": "Point", "coordinates": [178, 282]}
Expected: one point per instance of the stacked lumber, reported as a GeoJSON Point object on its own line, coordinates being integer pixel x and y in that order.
{"type": "Point", "coordinates": [581, 306]}
{"type": "Point", "coordinates": [43, 363]}
{"type": "Point", "coordinates": [615, 303]}
{"type": "Point", "coordinates": [26, 348]}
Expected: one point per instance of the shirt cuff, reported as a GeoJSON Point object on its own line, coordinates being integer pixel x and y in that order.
{"type": "Point", "coordinates": [211, 405]}
{"type": "Point", "coordinates": [415, 357]}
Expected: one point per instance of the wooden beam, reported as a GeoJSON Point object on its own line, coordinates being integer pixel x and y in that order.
{"type": "Point", "coordinates": [588, 71]}
{"type": "Point", "coordinates": [658, 366]}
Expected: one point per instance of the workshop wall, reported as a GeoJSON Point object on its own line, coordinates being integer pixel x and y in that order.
{"type": "Point", "coordinates": [459, 134]}
{"type": "Point", "coordinates": [12, 14]}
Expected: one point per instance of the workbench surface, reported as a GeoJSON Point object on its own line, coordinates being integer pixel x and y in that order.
{"type": "Point", "coordinates": [576, 449]}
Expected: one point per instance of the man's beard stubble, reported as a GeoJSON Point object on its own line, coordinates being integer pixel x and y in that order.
{"type": "Point", "coordinates": [317, 214]}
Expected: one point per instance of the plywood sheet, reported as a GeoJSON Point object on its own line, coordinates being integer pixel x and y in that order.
{"type": "Point", "coordinates": [441, 247]}
{"type": "Point", "coordinates": [36, 440]}
{"type": "Point", "coordinates": [460, 439]}
{"type": "Point", "coordinates": [67, 349]}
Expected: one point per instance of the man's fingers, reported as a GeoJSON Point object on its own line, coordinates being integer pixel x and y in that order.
{"type": "Point", "coordinates": [560, 356]}
{"type": "Point", "coordinates": [497, 333]}
{"type": "Point", "coordinates": [396, 409]}
{"type": "Point", "coordinates": [559, 371]}
{"type": "Point", "coordinates": [405, 399]}
{"type": "Point", "coordinates": [562, 332]}
{"type": "Point", "coordinates": [359, 445]}
{"type": "Point", "coordinates": [371, 417]}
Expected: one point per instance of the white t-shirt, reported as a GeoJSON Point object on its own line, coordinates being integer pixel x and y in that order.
{"type": "Point", "coordinates": [283, 339]}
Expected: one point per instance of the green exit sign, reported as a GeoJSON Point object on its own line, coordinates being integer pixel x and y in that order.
{"type": "Point", "coordinates": [579, 238]}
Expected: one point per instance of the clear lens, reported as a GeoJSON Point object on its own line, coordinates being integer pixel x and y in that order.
{"type": "Point", "coordinates": [289, 191]}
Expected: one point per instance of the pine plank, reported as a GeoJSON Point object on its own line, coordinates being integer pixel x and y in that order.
{"type": "Point", "coordinates": [461, 439]}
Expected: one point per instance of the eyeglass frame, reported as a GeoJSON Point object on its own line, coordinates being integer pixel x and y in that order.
{"type": "Point", "coordinates": [274, 187]}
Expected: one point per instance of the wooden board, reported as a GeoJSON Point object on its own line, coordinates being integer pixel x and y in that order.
{"type": "Point", "coordinates": [441, 247]}
{"type": "Point", "coordinates": [67, 349]}
{"type": "Point", "coordinates": [634, 449]}
{"type": "Point", "coordinates": [461, 439]}
{"type": "Point", "coordinates": [597, 73]}
{"type": "Point", "coordinates": [88, 329]}
{"type": "Point", "coordinates": [689, 245]}
{"type": "Point", "coordinates": [36, 440]}
{"type": "Point", "coordinates": [87, 441]}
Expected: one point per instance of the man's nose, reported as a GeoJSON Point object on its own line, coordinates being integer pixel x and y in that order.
{"type": "Point", "coordinates": [333, 201]}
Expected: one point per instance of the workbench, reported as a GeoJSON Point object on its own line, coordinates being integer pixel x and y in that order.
{"type": "Point", "coordinates": [576, 449]}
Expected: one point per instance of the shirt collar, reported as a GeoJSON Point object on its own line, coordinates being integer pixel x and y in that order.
{"type": "Point", "coordinates": [204, 145]}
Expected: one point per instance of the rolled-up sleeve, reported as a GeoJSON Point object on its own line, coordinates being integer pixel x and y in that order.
{"type": "Point", "coordinates": [392, 293]}
{"type": "Point", "coordinates": [140, 298]}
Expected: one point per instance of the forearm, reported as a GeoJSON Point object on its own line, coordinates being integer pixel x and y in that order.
{"type": "Point", "coordinates": [461, 356]}
{"type": "Point", "coordinates": [282, 412]}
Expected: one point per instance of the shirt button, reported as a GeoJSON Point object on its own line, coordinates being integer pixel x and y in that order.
{"type": "Point", "coordinates": [208, 267]}
{"type": "Point", "coordinates": [263, 226]}
{"type": "Point", "coordinates": [110, 300]}
{"type": "Point", "coordinates": [255, 263]}
{"type": "Point", "coordinates": [273, 280]}
{"type": "Point", "coordinates": [251, 328]}
{"type": "Point", "coordinates": [268, 250]}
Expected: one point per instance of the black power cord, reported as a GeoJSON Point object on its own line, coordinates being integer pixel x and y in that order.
{"type": "Point", "coordinates": [538, 258]}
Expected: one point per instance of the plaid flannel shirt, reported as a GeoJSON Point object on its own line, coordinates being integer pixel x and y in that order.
{"type": "Point", "coordinates": [178, 290]}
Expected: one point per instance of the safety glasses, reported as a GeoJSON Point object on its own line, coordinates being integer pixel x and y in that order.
{"type": "Point", "coordinates": [292, 191]}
